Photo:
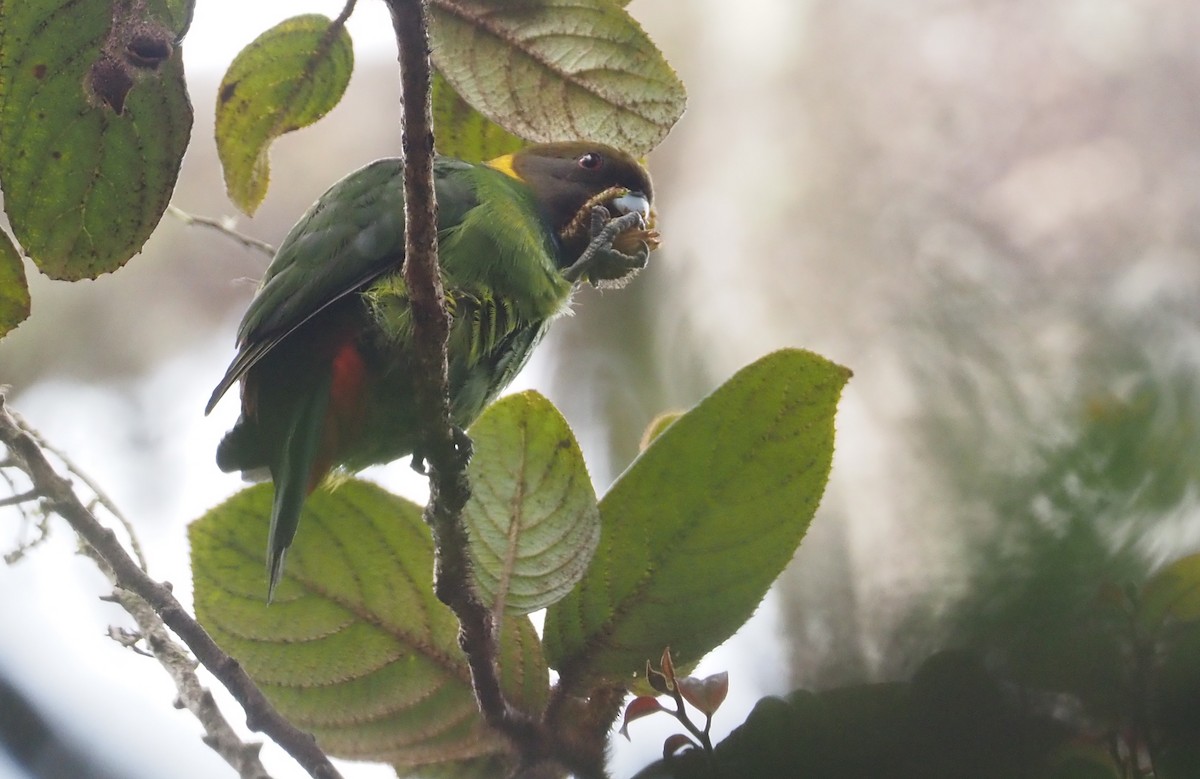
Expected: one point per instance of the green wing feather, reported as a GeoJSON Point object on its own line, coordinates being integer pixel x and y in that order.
{"type": "Point", "coordinates": [351, 236]}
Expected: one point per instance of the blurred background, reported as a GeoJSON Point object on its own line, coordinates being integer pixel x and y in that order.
{"type": "Point", "coordinates": [989, 211]}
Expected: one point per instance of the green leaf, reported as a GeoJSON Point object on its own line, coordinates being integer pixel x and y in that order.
{"type": "Point", "coordinates": [14, 290]}
{"type": "Point", "coordinates": [1172, 594]}
{"type": "Point", "coordinates": [700, 525]}
{"type": "Point", "coordinates": [286, 79]}
{"type": "Point", "coordinates": [532, 515]}
{"type": "Point", "coordinates": [462, 131]}
{"type": "Point", "coordinates": [94, 120]}
{"type": "Point", "coordinates": [355, 648]}
{"type": "Point", "coordinates": [558, 70]}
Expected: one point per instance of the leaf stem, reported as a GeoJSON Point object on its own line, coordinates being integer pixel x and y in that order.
{"type": "Point", "coordinates": [220, 226]}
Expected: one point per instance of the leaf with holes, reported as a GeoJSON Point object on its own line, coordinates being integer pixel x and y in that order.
{"type": "Point", "coordinates": [94, 120]}
{"type": "Point", "coordinates": [699, 526]}
{"type": "Point", "coordinates": [355, 647]}
{"type": "Point", "coordinates": [532, 515]}
{"type": "Point", "coordinates": [14, 290]}
{"type": "Point", "coordinates": [463, 132]}
{"type": "Point", "coordinates": [287, 78]}
{"type": "Point", "coordinates": [558, 70]}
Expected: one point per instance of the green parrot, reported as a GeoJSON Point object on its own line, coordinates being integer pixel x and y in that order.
{"type": "Point", "coordinates": [325, 352]}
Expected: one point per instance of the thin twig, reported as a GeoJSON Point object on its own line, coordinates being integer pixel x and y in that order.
{"type": "Point", "coordinates": [345, 14]}
{"type": "Point", "coordinates": [222, 227]}
{"type": "Point", "coordinates": [60, 498]}
{"type": "Point", "coordinates": [442, 448]}
{"type": "Point", "coordinates": [101, 497]}
{"type": "Point", "coordinates": [24, 497]}
{"type": "Point", "coordinates": [219, 735]}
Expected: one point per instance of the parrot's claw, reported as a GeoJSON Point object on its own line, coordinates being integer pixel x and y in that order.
{"type": "Point", "coordinates": [601, 263]}
{"type": "Point", "coordinates": [463, 449]}
{"type": "Point", "coordinates": [463, 446]}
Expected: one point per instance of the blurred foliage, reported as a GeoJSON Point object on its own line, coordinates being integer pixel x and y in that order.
{"type": "Point", "coordinates": [953, 720]}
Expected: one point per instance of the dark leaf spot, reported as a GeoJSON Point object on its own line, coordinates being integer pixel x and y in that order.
{"type": "Point", "coordinates": [109, 82]}
{"type": "Point", "coordinates": [56, 154]}
{"type": "Point", "coordinates": [39, 70]}
{"type": "Point", "coordinates": [227, 92]}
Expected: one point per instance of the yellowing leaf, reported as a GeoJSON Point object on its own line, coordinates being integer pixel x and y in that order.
{"type": "Point", "coordinates": [700, 525]}
{"type": "Point", "coordinates": [558, 70]}
{"type": "Point", "coordinates": [286, 79]}
{"type": "Point", "coordinates": [355, 647]}
{"type": "Point", "coordinates": [532, 515]}
{"type": "Point", "coordinates": [462, 131]}
{"type": "Point", "coordinates": [14, 292]}
{"type": "Point", "coordinates": [94, 119]}
{"type": "Point", "coordinates": [1173, 593]}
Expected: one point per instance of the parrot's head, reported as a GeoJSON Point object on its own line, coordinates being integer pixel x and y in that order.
{"type": "Point", "coordinates": [570, 179]}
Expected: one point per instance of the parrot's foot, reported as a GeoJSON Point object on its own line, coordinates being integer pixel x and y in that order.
{"type": "Point", "coordinates": [463, 449]}
{"type": "Point", "coordinates": [601, 264]}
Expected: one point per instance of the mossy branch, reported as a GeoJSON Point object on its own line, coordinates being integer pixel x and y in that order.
{"type": "Point", "coordinates": [445, 448]}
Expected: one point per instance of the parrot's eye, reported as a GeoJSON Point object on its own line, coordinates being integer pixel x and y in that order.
{"type": "Point", "coordinates": [591, 161]}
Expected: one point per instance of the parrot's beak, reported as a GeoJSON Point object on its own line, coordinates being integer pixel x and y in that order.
{"type": "Point", "coordinates": [632, 202]}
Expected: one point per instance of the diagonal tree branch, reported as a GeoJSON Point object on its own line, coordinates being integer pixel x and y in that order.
{"type": "Point", "coordinates": [133, 584]}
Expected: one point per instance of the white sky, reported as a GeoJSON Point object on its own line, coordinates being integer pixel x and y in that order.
{"type": "Point", "coordinates": [221, 28]}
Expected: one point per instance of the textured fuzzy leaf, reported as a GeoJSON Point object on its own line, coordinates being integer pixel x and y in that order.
{"type": "Point", "coordinates": [462, 131]}
{"type": "Point", "coordinates": [700, 525]}
{"type": "Point", "coordinates": [287, 78]}
{"type": "Point", "coordinates": [558, 70]}
{"type": "Point", "coordinates": [94, 119]}
{"type": "Point", "coordinates": [14, 291]}
{"type": "Point", "coordinates": [532, 516]}
{"type": "Point", "coordinates": [355, 647]}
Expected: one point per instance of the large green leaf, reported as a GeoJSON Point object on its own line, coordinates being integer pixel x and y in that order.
{"type": "Point", "coordinates": [462, 131]}
{"type": "Point", "coordinates": [355, 646]}
{"type": "Point", "coordinates": [699, 526]}
{"type": "Point", "coordinates": [287, 78]}
{"type": "Point", "coordinates": [558, 69]}
{"type": "Point", "coordinates": [14, 291]}
{"type": "Point", "coordinates": [532, 515]}
{"type": "Point", "coordinates": [94, 119]}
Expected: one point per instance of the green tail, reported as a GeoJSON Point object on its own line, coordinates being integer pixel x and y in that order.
{"type": "Point", "coordinates": [292, 473]}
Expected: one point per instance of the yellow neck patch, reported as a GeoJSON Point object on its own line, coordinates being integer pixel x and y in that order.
{"type": "Point", "coordinates": [504, 164]}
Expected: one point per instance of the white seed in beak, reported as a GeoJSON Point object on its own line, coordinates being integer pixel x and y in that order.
{"type": "Point", "coordinates": [631, 202]}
